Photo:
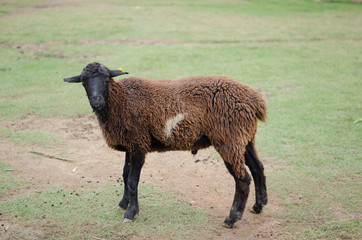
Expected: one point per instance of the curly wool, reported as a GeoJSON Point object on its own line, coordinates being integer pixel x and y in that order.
{"type": "Point", "coordinates": [186, 114]}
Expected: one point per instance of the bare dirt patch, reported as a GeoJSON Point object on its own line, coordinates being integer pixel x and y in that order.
{"type": "Point", "coordinates": [200, 180]}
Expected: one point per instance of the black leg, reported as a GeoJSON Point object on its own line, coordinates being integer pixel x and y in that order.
{"type": "Point", "coordinates": [240, 198]}
{"type": "Point", "coordinates": [136, 162]}
{"type": "Point", "coordinates": [233, 156]}
{"type": "Point", "coordinates": [125, 200]}
{"type": "Point", "coordinates": [257, 171]}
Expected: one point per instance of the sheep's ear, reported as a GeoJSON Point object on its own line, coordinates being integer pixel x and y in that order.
{"type": "Point", "coordinates": [74, 79]}
{"type": "Point", "coordinates": [115, 73]}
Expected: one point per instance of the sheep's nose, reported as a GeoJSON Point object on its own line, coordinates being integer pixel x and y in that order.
{"type": "Point", "coordinates": [96, 102]}
{"type": "Point", "coordinates": [95, 98]}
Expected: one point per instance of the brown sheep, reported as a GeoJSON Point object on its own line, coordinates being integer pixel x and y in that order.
{"type": "Point", "coordinates": [138, 116]}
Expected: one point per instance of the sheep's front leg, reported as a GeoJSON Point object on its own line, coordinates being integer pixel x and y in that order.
{"type": "Point", "coordinates": [125, 200]}
{"type": "Point", "coordinates": [136, 162]}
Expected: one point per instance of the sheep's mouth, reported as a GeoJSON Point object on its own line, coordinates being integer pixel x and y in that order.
{"type": "Point", "coordinates": [97, 102]}
{"type": "Point", "coordinates": [98, 106]}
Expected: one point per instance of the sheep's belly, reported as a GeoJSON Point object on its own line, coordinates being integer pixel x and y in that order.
{"type": "Point", "coordinates": [181, 141]}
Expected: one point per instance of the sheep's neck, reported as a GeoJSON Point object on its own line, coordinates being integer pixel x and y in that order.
{"type": "Point", "coordinates": [102, 115]}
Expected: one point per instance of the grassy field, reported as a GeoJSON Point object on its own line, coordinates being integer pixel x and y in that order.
{"type": "Point", "coordinates": [67, 209]}
{"type": "Point", "coordinates": [305, 56]}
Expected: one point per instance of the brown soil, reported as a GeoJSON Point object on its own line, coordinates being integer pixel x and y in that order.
{"type": "Point", "coordinates": [200, 180]}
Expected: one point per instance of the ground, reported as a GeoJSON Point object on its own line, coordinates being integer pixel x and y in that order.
{"type": "Point", "coordinates": [200, 180]}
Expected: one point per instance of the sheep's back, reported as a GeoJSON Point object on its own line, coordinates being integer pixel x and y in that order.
{"type": "Point", "coordinates": [229, 107]}
{"type": "Point", "coordinates": [179, 112]}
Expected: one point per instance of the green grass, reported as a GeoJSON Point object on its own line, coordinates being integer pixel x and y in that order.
{"type": "Point", "coordinates": [39, 138]}
{"type": "Point", "coordinates": [84, 214]}
{"type": "Point", "coordinates": [347, 229]}
{"type": "Point", "coordinates": [305, 55]}
{"type": "Point", "coordinates": [211, 21]}
{"type": "Point", "coordinates": [7, 181]}
{"type": "Point", "coordinates": [7, 6]}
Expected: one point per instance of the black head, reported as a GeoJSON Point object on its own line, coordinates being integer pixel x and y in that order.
{"type": "Point", "coordinates": [95, 78]}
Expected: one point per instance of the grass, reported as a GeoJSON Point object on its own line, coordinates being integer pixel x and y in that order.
{"type": "Point", "coordinates": [64, 212]}
{"type": "Point", "coordinates": [7, 181]}
{"type": "Point", "coordinates": [11, 5]}
{"type": "Point", "coordinates": [39, 138]}
{"type": "Point", "coordinates": [347, 229]}
{"type": "Point", "coordinates": [305, 55]}
{"type": "Point", "coordinates": [211, 21]}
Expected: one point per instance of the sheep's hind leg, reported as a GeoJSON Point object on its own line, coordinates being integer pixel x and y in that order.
{"type": "Point", "coordinates": [136, 162]}
{"type": "Point", "coordinates": [240, 198]}
{"type": "Point", "coordinates": [257, 171]}
{"type": "Point", "coordinates": [125, 200]}
{"type": "Point", "coordinates": [234, 160]}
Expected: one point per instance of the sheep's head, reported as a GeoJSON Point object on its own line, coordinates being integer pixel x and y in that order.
{"type": "Point", "coordinates": [95, 78]}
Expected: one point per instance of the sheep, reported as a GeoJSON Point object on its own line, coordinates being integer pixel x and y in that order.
{"type": "Point", "coordinates": [138, 116]}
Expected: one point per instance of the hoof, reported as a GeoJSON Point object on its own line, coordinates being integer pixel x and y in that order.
{"type": "Point", "coordinates": [257, 209]}
{"type": "Point", "coordinates": [131, 212]}
{"type": "Point", "coordinates": [126, 220]}
{"type": "Point", "coordinates": [225, 225]}
{"type": "Point", "coordinates": [121, 208]}
{"type": "Point", "coordinates": [228, 223]}
{"type": "Point", "coordinates": [123, 204]}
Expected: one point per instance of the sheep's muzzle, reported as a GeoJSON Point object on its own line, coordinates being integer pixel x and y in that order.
{"type": "Point", "coordinates": [97, 102]}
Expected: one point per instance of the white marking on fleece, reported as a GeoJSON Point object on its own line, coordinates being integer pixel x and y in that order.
{"type": "Point", "coordinates": [172, 123]}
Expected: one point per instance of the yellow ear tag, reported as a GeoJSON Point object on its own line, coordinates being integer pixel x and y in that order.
{"type": "Point", "coordinates": [120, 69]}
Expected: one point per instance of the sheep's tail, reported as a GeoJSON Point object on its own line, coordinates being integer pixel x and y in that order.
{"type": "Point", "coordinates": [261, 109]}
